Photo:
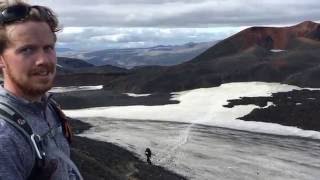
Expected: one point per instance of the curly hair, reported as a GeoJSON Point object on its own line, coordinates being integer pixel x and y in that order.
{"type": "Point", "coordinates": [34, 15]}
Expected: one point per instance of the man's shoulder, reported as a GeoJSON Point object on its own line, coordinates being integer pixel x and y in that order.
{"type": "Point", "coordinates": [12, 139]}
{"type": "Point", "coordinates": [8, 100]}
{"type": "Point", "coordinates": [15, 152]}
{"type": "Point", "coordinates": [8, 132]}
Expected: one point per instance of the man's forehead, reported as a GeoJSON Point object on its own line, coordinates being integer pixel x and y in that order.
{"type": "Point", "coordinates": [30, 31]}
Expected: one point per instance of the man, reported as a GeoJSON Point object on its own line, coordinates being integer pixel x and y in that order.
{"type": "Point", "coordinates": [148, 154]}
{"type": "Point", "coordinates": [28, 63]}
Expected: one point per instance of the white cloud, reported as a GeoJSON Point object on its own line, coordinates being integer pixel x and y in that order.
{"type": "Point", "coordinates": [182, 13]}
{"type": "Point", "coordinates": [89, 17]}
{"type": "Point", "coordinates": [92, 38]}
{"type": "Point", "coordinates": [109, 38]}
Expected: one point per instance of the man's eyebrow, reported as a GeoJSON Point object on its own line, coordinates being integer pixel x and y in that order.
{"type": "Point", "coordinates": [50, 44]}
{"type": "Point", "coordinates": [25, 46]}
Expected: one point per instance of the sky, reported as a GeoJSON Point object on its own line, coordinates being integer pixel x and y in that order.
{"type": "Point", "coordinates": [104, 24]}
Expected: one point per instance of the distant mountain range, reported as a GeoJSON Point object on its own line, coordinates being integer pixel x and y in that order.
{"type": "Point", "coordinates": [78, 66]}
{"type": "Point", "coordinates": [133, 57]}
{"type": "Point", "coordinates": [271, 54]}
{"type": "Point", "coordinates": [76, 72]}
{"type": "Point", "coordinates": [60, 50]}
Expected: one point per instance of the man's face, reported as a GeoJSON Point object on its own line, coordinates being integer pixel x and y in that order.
{"type": "Point", "coordinates": [29, 61]}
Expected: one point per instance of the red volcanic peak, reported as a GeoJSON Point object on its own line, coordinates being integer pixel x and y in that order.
{"type": "Point", "coordinates": [276, 37]}
{"type": "Point", "coordinates": [302, 35]}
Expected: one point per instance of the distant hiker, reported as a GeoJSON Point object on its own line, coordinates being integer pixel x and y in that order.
{"type": "Point", "coordinates": [148, 154]}
{"type": "Point", "coordinates": [34, 133]}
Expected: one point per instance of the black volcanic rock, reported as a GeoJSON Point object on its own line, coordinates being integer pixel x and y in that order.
{"type": "Point", "coordinates": [307, 78]}
{"type": "Point", "coordinates": [91, 79]}
{"type": "Point", "coordinates": [298, 108]}
{"type": "Point", "coordinates": [106, 69]}
{"type": "Point", "coordinates": [102, 98]}
{"type": "Point", "coordinates": [165, 79]}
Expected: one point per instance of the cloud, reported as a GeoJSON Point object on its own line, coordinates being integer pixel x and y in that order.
{"type": "Point", "coordinates": [182, 13]}
{"type": "Point", "coordinates": [98, 24]}
{"type": "Point", "coordinates": [93, 38]}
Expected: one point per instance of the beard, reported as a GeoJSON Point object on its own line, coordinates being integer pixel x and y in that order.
{"type": "Point", "coordinates": [30, 87]}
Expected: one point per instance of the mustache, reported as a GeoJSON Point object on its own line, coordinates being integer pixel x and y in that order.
{"type": "Point", "coordinates": [50, 68]}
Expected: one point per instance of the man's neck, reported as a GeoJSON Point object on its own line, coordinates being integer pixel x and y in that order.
{"type": "Point", "coordinates": [19, 93]}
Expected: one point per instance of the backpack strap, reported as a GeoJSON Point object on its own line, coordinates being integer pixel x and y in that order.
{"type": "Point", "coordinates": [11, 116]}
{"type": "Point", "coordinates": [65, 121]}
{"type": "Point", "coordinates": [14, 118]}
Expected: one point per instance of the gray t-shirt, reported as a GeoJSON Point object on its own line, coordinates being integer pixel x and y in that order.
{"type": "Point", "coordinates": [16, 154]}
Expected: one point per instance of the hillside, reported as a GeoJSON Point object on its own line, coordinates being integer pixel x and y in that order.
{"type": "Point", "coordinates": [76, 72]}
{"type": "Point", "coordinates": [98, 160]}
{"type": "Point", "coordinates": [271, 54]}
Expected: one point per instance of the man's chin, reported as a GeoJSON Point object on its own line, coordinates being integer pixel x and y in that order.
{"type": "Point", "coordinates": [38, 89]}
{"type": "Point", "coordinates": [34, 92]}
{"type": "Point", "coordinates": [32, 86]}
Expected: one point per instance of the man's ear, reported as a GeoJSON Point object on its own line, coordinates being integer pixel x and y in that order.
{"type": "Point", "coordinates": [2, 64]}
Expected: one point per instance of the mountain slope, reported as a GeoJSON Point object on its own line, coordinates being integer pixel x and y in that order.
{"type": "Point", "coordinates": [267, 38]}
{"type": "Point", "coordinates": [281, 54]}
{"type": "Point", "coordinates": [76, 72]}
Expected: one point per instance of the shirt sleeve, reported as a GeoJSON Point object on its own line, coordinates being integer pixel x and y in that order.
{"type": "Point", "coordinates": [16, 160]}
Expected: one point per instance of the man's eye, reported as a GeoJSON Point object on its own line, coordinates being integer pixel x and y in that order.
{"type": "Point", "coordinates": [49, 48]}
{"type": "Point", "coordinates": [26, 50]}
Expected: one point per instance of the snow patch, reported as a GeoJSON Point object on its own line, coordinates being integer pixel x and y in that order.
{"type": "Point", "coordinates": [269, 104]}
{"type": "Point", "coordinates": [205, 106]}
{"type": "Point", "coordinates": [277, 50]}
{"type": "Point", "coordinates": [74, 88]}
{"type": "Point", "coordinates": [137, 95]}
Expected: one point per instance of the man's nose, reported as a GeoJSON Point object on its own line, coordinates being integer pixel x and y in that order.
{"type": "Point", "coordinates": [43, 58]}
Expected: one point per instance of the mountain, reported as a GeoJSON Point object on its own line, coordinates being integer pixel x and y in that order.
{"type": "Point", "coordinates": [270, 54]}
{"type": "Point", "coordinates": [76, 72]}
{"type": "Point", "coordinates": [67, 65]}
{"type": "Point", "coordinates": [301, 36]}
{"type": "Point", "coordinates": [133, 57]}
{"type": "Point", "coordinates": [71, 63]}
{"type": "Point", "coordinates": [63, 50]}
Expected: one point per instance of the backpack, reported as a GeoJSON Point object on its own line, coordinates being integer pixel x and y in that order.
{"type": "Point", "coordinates": [42, 169]}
